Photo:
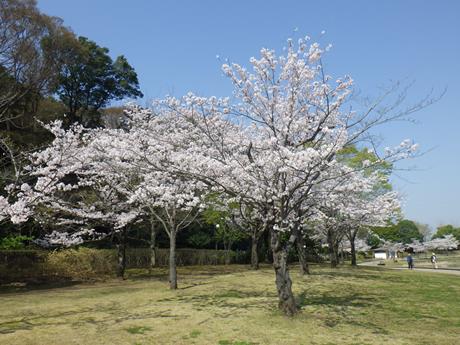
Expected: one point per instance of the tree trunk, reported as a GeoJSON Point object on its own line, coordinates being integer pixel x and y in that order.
{"type": "Point", "coordinates": [333, 257]}
{"type": "Point", "coordinates": [153, 250]}
{"type": "Point", "coordinates": [353, 250]}
{"type": "Point", "coordinates": [286, 300]}
{"type": "Point", "coordinates": [227, 251]}
{"type": "Point", "coordinates": [254, 252]}
{"type": "Point", "coordinates": [301, 252]}
{"type": "Point", "coordinates": [172, 260]}
{"type": "Point", "coordinates": [337, 253]}
{"type": "Point", "coordinates": [268, 253]}
{"type": "Point", "coordinates": [331, 248]}
{"type": "Point", "coordinates": [121, 255]}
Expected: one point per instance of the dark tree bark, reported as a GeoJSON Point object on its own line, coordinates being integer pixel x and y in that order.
{"type": "Point", "coordinates": [353, 250]}
{"type": "Point", "coordinates": [172, 260]}
{"type": "Point", "coordinates": [121, 254]}
{"type": "Point", "coordinates": [269, 251]}
{"type": "Point", "coordinates": [333, 249]}
{"type": "Point", "coordinates": [254, 251]}
{"type": "Point", "coordinates": [286, 300]}
{"type": "Point", "coordinates": [301, 252]}
{"type": "Point", "coordinates": [153, 249]}
{"type": "Point", "coordinates": [333, 257]}
{"type": "Point", "coordinates": [337, 252]}
{"type": "Point", "coordinates": [228, 251]}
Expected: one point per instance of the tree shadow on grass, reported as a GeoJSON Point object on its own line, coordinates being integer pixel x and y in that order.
{"type": "Point", "coordinates": [112, 314]}
{"type": "Point", "coordinates": [339, 309]}
{"type": "Point", "coordinates": [227, 301]}
{"type": "Point", "coordinates": [161, 273]}
{"type": "Point", "coordinates": [348, 300]}
{"type": "Point", "coordinates": [357, 273]}
{"type": "Point", "coordinates": [36, 285]}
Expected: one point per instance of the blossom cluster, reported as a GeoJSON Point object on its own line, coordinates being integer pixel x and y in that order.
{"type": "Point", "coordinates": [274, 151]}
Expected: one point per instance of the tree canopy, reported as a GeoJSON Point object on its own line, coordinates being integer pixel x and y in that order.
{"type": "Point", "coordinates": [91, 79]}
{"type": "Point", "coordinates": [447, 230]}
{"type": "Point", "coordinates": [404, 231]}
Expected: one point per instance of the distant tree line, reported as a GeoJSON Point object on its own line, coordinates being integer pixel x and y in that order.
{"type": "Point", "coordinates": [444, 230]}
{"type": "Point", "coordinates": [406, 231]}
{"type": "Point", "coordinates": [48, 73]}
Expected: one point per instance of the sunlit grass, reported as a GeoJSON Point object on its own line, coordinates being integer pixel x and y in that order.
{"type": "Point", "coordinates": [233, 305]}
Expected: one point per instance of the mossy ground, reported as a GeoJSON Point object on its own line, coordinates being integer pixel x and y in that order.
{"type": "Point", "coordinates": [234, 305]}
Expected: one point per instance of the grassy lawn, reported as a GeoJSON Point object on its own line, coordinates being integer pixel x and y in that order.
{"type": "Point", "coordinates": [230, 305]}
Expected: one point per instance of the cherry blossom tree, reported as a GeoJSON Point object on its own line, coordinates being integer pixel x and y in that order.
{"type": "Point", "coordinates": [73, 183]}
{"type": "Point", "coordinates": [144, 151]}
{"type": "Point", "coordinates": [271, 147]}
{"type": "Point", "coordinates": [174, 203]}
{"type": "Point", "coordinates": [448, 242]}
{"type": "Point", "coordinates": [369, 212]}
{"type": "Point", "coordinates": [274, 150]}
{"type": "Point", "coordinates": [348, 204]}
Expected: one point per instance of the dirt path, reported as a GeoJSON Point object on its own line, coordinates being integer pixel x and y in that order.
{"type": "Point", "coordinates": [439, 270]}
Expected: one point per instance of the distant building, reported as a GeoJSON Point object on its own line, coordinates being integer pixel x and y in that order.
{"type": "Point", "coordinates": [380, 253]}
{"type": "Point", "coordinates": [385, 253]}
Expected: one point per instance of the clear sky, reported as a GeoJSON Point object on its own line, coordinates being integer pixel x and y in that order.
{"type": "Point", "coordinates": [173, 47]}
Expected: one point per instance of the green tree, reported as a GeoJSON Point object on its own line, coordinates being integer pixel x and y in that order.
{"type": "Point", "coordinates": [30, 50]}
{"type": "Point", "coordinates": [372, 239]}
{"type": "Point", "coordinates": [408, 231]}
{"type": "Point", "coordinates": [404, 231]}
{"type": "Point", "coordinates": [30, 54]}
{"type": "Point", "coordinates": [199, 239]}
{"type": "Point", "coordinates": [368, 161]}
{"type": "Point", "coordinates": [90, 79]}
{"type": "Point", "coordinates": [226, 232]}
{"type": "Point", "coordinates": [444, 230]}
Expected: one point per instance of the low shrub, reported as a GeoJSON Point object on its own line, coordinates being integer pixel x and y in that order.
{"type": "Point", "coordinates": [90, 264]}
{"type": "Point", "coordinates": [81, 264]}
{"type": "Point", "coordinates": [14, 242]}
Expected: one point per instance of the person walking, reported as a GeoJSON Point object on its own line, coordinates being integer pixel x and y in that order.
{"type": "Point", "coordinates": [434, 261]}
{"type": "Point", "coordinates": [410, 261]}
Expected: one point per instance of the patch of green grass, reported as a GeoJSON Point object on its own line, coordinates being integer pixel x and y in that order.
{"type": "Point", "coordinates": [230, 294]}
{"type": "Point", "coordinates": [138, 329]}
{"type": "Point", "coordinates": [228, 342]}
{"type": "Point", "coordinates": [234, 305]}
{"type": "Point", "coordinates": [194, 334]}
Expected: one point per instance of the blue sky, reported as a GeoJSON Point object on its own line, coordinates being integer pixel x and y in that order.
{"type": "Point", "coordinates": [173, 47]}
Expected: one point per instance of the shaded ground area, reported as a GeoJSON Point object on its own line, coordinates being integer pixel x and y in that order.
{"type": "Point", "coordinates": [232, 305]}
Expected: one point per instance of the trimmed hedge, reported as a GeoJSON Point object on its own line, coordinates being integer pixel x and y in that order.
{"type": "Point", "coordinates": [89, 264]}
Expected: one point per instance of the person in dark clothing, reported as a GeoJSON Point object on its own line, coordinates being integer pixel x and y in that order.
{"type": "Point", "coordinates": [410, 261]}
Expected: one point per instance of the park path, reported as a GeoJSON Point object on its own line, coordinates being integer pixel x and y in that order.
{"type": "Point", "coordinates": [439, 270]}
